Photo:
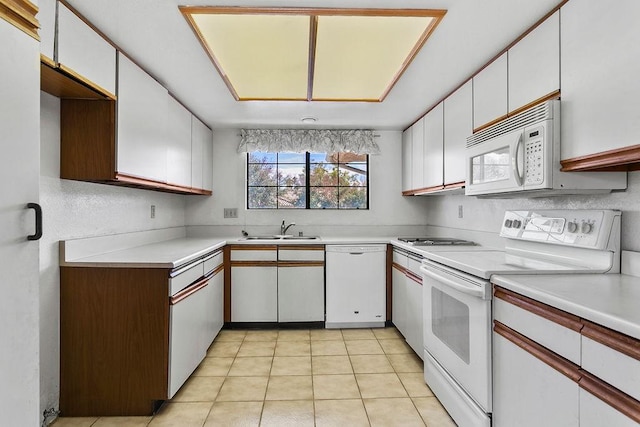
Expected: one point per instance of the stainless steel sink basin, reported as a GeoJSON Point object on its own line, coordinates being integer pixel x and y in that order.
{"type": "Point", "coordinates": [277, 237]}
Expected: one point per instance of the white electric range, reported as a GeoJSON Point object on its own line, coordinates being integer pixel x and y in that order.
{"type": "Point", "coordinates": [457, 295]}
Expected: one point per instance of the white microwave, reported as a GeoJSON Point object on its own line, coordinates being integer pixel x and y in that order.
{"type": "Point", "coordinates": [520, 157]}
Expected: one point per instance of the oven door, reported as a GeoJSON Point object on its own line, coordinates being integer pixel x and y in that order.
{"type": "Point", "coordinates": [457, 327]}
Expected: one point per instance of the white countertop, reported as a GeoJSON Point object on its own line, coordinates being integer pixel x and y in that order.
{"type": "Point", "coordinates": [610, 300]}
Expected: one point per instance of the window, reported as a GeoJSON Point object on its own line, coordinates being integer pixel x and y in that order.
{"type": "Point", "coordinates": [307, 181]}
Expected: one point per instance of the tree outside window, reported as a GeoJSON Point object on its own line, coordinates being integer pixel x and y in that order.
{"type": "Point", "coordinates": [307, 181]}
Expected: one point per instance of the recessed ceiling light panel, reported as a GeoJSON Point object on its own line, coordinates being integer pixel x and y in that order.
{"type": "Point", "coordinates": [311, 54]}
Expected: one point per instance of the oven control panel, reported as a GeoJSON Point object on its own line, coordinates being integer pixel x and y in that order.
{"type": "Point", "coordinates": [583, 228]}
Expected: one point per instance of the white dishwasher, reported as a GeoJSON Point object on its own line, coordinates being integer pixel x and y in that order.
{"type": "Point", "coordinates": [356, 286]}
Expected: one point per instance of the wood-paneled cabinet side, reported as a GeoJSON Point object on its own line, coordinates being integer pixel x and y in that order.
{"type": "Point", "coordinates": [600, 69]}
{"type": "Point", "coordinates": [458, 125]}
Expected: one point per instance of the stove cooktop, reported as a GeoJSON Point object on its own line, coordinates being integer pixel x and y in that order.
{"type": "Point", "coordinates": [435, 241]}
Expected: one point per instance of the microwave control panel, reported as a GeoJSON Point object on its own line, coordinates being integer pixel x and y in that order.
{"type": "Point", "coordinates": [534, 157]}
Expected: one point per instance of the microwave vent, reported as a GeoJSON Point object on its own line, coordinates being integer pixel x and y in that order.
{"type": "Point", "coordinates": [535, 114]}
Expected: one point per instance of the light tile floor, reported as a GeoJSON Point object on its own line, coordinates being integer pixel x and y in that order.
{"type": "Point", "coordinates": [323, 377]}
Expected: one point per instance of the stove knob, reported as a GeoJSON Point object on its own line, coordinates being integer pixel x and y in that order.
{"type": "Point", "coordinates": [586, 228]}
{"type": "Point", "coordinates": [507, 223]}
{"type": "Point", "coordinates": [572, 227]}
{"type": "Point", "coordinates": [517, 223]}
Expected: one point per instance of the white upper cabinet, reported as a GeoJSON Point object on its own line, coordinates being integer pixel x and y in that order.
{"type": "Point", "coordinates": [179, 144]}
{"type": "Point", "coordinates": [600, 69]}
{"type": "Point", "coordinates": [458, 125]}
{"type": "Point", "coordinates": [47, 19]}
{"type": "Point", "coordinates": [142, 123]}
{"type": "Point", "coordinates": [417, 154]}
{"type": "Point", "coordinates": [433, 141]}
{"type": "Point", "coordinates": [534, 64]}
{"type": "Point", "coordinates": [83, 52]}
{"type": "Point", "coordinates": [407, 148]}
{"type": "Point", "coordinates": [490, 93]}
{"type": "Point", "coordinates": [201, 155]}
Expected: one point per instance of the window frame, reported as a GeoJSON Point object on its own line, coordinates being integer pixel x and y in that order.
{"type": "Point", "coordinates": [307, 185]}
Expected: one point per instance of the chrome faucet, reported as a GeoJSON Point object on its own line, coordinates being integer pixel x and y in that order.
{"type": "Point", "coordinates": [284, 228]}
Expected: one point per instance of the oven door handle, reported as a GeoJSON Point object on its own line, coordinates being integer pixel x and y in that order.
{"type": "Point", "coordinates": [472, 290]}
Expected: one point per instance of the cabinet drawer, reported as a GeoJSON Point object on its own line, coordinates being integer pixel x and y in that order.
{"type": "Point", "coordinates": [82, 51]}
{"type": "Point", "coordinates": [413, 265]}
{"type": "Point", "coordinates": [613, 357]}
{"type": "Point", "coordinates": [184, 277]}
{"type": "Point", "coordinates": [550, 327]}
{"type": "Point", "coordinates": [400, 258]}
{"type": "Point", "coordinates": [253, 253]}
{"type": "Point", "coordinates": [212, 262]}
{"type": "Point", "coordinates": [315, 253]}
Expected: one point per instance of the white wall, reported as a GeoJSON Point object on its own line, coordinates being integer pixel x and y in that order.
{"type": "Point", "coordinates": [485, 215]}
{"type": "Point", "coordinates": [77, 209]}
{"type": "Point", "coordinates": [389, 212]}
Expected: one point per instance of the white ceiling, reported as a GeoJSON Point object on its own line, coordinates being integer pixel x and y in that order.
{"type": "Point", "coordinates": [157, 36]}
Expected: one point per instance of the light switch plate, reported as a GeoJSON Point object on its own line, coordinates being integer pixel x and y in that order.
{"type": "Point", "coordinates": [231, 212]}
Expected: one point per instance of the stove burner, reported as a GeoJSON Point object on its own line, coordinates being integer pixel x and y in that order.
{"type": "Point", "coordinates": [435, 241]}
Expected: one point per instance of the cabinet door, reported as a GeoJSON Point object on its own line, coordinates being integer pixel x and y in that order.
{"type": "Point", "coordinates": [179, 144]}
{"type": "Point", "coordinates": [47, 18]}
{"type": "Point", "coordinates": [142, 117]}
{"type": "Point", "coordinates": [407, 148]}
{"type": "Point", "coordinates": [594, 412]}
{"type": "Point", "coordinates": [534, 64]}
{"type": "Point", "coordinates": [254, 294]}
{"type": "Point", "coordinates": [82, 51]}
{"type": "Point", "coordinates": [600, 89]}
{"type": "Point", "coordinates": [458, 125]}
{"type": "Point", "coordinates": [417, 155]}
{"type": "Point", "coordinates": [300, 294]}
{"type": "Point", "coordinates": [522, 386]}
{"type": "Point", "coordinates": [214, 308]}
{"type": "Point", "coordinates": [490, 93]}
{"type": "Point", "coordinates": [399, 301]}
{"type": "Point", "coordinates": [414, 316]}
{"type": "Point", "coordinates": [433, 138]}
{"type": "Point", "coordinates": [19, 185]}
{"type": "Point", "coordinates": [201, 155]}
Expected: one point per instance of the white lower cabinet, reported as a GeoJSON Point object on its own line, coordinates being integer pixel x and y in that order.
{"type": "Point", "coordinates": [407, 299]}
{"type": "Point", "coordinates": [254, 294]}
{"type": "Point", "coordinates": [528, 392]}
{"type": "Point", "coordinates": [594, 412]}
{"type": "Point", "coordinates": [300, 294]}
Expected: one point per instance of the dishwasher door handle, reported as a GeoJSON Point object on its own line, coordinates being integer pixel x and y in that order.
{"type": "Point", "coordinates": [356, 253]}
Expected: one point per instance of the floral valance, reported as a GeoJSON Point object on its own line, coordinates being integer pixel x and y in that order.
{"type": "Point", "coordinates": [312, 140]}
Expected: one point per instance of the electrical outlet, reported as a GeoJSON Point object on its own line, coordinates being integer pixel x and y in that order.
{"type": "Point", "coordinates": [460, 212]}
{"type": "Point", "coordinates": [153, 211]}
{"type": "Point", "coordinates": [231, 212]}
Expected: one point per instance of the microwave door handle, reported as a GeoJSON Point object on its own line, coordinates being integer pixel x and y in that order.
{"type": "Point", "coordinates": [475, 291]}
{"type": "Point", "coordinates": [514, 162]}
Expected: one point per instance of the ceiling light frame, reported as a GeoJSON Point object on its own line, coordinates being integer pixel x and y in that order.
{"type": "Point", "coordinates": [314, 14]}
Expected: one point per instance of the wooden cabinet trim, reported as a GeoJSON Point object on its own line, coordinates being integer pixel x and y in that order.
{"type": "Point", "coordinates": [254, 263]}
{"type": "Point", "coordinates": [455, 185]}
{"type": "Point", "coordinates": [550, 313]}
{"type": "Point", "coordinates": [146, 183]}
{"type": "Point", "coordinates": [217, 270]}
{"type": "Point", "coordinates": [68, 71]}
{"type": "Point", "coordinates": [560, 364]}
{"type": "Point", "coordinates": [619, 159]}
{"type": "Point", "coordinates": [300, 264]}
{"type": "Point", "coordinates": [411, 275]}
{"type": "Point", "coordinates": [190, 290]}
{"type": "Point", "coordinates": [301, 247]}
{"type": "Point", "coordinates": [226, 257]}
{"type": "Point", "coordinates": [610, 395]}
{"type": "Point", "coordinates": [398, 267]}
{"type": "Point", "coordinates": [553, 95]}
{"type": "Point", "coordinates": [253, 247]}
{"type": "Point", "coordinates": [417, 191]}
{"type": "Point", "coordinates": [389, 282]}
{"type": "Point", "coordinates": [22, 15]}
{"type": "Point", "coordinates": [615, 340]}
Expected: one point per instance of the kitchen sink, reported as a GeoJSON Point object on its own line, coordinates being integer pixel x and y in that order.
{"type": "Point", "coordinates": [280, 237]}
